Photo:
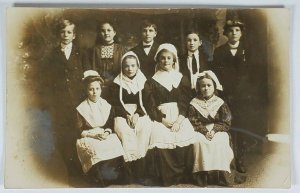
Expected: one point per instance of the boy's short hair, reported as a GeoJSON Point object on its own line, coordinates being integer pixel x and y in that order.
{"type": "Point", "coordinates": [64, 23]}
{"type": "Point", "coordinates": [148, 23]}
{"type": "Point", "coordinates": [193, 31]}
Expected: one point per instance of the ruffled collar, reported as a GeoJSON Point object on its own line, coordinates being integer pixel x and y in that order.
{"type": "Point", "coordinates": [131, 85]}
{"type": "Point", "coordinates": [169, 80]}
{"type": "Point", "coordinates": [95, 113]}
{"type": "Point", "coordinates": [207, 107]}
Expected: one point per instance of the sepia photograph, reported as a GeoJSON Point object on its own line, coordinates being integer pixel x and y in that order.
{"type": "Point", "coordinates": [148, 98]}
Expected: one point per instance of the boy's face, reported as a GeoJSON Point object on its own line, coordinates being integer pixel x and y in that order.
{"type": "Point", "coordinates": [166, 61]}
{"type": "Point", "coordinates": [148, 34]}
{"type": "Point", "coordinates": [207, 88]}
{"type": "Point", "coordinates": [234, 34]}
{"type": "Point", "coordinates": [130, 67]}
{"type": "Point", "coordinates": [94, 91]}
{"type": "Point", "coordinates": [193, 42]}
{"type": "Point", "coordinates": [107, 33]}
{"type": "Point", "coordinates": [67, 34]}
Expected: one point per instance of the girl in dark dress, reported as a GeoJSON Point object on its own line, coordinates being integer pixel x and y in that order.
{"type": "Point", "coordinates": [211, 118]}
{"type": "Point", "coordinates": [166, 102]}
{"type": "Point", "coordinates": [99, 149]}
{"type": "Point", "coordinates": [132, 124]}
{"type": "Point", "coordinates": [106, 56]}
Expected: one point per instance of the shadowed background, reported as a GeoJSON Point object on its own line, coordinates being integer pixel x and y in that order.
{"type": "Point", "coordinates": [30, 143]}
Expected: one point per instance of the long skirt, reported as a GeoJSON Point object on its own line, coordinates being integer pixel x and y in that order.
{"type": "Point", "coordinates": [92, 151]}
{"type": "Point", "coordinates": [166, 167]}
{"type": "Point", "coordinates": [212, 155]}
{"type": "Point", "coordinates": [163, 138]}
{"type": "Point", "coordinates": [107, 172]}
{"type": "Point", "coordinates": [135, 141]}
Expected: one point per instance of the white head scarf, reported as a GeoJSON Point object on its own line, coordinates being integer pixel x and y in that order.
{"type": "Point", "coordinates": [131, 85]}
{"type": "Point", "coordinates": [171, 48]}
{"type": "Point", "coordinates": [214, 77]}
{"type": "Point", "coordinates": [168, 79]}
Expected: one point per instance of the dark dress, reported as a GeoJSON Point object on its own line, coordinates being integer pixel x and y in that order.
{"type": "Point", "coordinates": [233, 73]}
{"type": "Point", "coordinates": [64, 92]}
{"type": "Point", "coordinates": [203, 60]}
{"type": "Point", "coordinates": [167, 166]}
{"type": "Point", "coordinates": [108, 68]}
{"type": "Point", "coordinates": [220, 153]}
{"type": "Point", "coordinates": [135, 169]}
{"type": "Point", "coordinates": [127, 99]}
{"type": "Point", "coordinates": [147, 61]}
{"type": "Point", "coordinates": [110, 170]}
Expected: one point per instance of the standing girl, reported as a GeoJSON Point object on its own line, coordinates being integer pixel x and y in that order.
{"type": "Point", "coordinates": [106, 56]}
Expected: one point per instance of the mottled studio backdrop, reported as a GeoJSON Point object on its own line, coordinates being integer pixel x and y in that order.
{"type": "Point", "coordinates": [31, 35]}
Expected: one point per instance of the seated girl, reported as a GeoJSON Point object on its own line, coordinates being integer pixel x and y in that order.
{"type": "Point", "coordinates": [166, 101]}
{"type": "Point", "coordinates": [99, 150]}
{"type": "Point", "coordinates": [132, 125]}
{"type": "Point", "coordinates": [211, 118]}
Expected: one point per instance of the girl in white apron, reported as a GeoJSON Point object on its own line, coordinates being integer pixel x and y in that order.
{"type": "Point", "coordinates": [132, 124]}
{"type": "Point", "coordinates": [99, 149]}
{"type": "Point", "coordinates": [211, 118]}
{"type": "Point", "coordinates": [166, 101]}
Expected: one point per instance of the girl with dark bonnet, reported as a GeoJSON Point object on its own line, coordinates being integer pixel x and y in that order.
{"type": "Point", "coordinates": [132, 124]}
{"type": "Point", "coordinates": [231, 65]}
{"type": "Point", "coordinates": [99, 149]}
{"type": "Point", "coordinates": [211, 118]}
{"type": "Point", "coordinates": [172, 133]}
{"type": "Point", "coordinates": [106, 55]}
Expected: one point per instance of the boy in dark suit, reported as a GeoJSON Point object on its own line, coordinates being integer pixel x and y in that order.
{"type": "Point", "coordinates": [194, 61]}
{"type": "Point", "coordinates": [64, 68]}
{"type": "Point", "coordinates": [146, 49]}
{"type": "Point", "coordinates": [230, 65]}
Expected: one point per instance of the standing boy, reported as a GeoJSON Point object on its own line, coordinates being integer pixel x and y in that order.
{"type": "Point", "coordinates": [64, 69]}
{"type": "Point", "coordinates": [194, 61]}
{"type": "Point", "coordinates": [146, 49]}
{"type": "Point", "coordinates": [230, 65]}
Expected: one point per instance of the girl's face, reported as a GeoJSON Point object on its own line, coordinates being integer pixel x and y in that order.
{"type": "Point", "coordinates": [130, 67]}
{"type": "Point", "coordinates": [193, 42]}
{"type": "Point", "coordinates": [207, 88]}
{"type": "Point", "coordinates": [107, 33]}
{"type": "Point", "coordinates": [234, 34]}
{"type": "Point", "coordinates": [94, 91]}
{"type": "Point", "coordinates": [67, 34]}
{"type": "Point", "coordinates": [166, 60]}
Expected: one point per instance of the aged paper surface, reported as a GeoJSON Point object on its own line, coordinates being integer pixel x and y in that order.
{"type": "Point", "coordinates": [31, 156]}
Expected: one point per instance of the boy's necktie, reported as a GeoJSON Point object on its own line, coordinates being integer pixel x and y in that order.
{"type": "Point", "coordinates": [194, 64]}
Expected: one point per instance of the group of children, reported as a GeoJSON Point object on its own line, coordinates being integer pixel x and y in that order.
{"type": "Point", "coordinates": [148, 116]}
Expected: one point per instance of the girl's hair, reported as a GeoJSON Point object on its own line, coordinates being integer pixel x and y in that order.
{"type": "Point", "coordinates": [160, 52]}
{"type": "Point", "coordinates": [198, 84]}
{"type": "Point", "coordinates": [64, 23]}
{"type": "Point", "coordinates": [99, 27]}
{"type": "Point", "coordinates": [91, 79]}
{"type": "Point", "coordinates": [149, 23]}
{"type": "Point", "coordinates": [129, 57]}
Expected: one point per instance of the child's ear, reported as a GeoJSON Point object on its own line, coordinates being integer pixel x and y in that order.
{"type": "Point", "coordinates": [200, 42]}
